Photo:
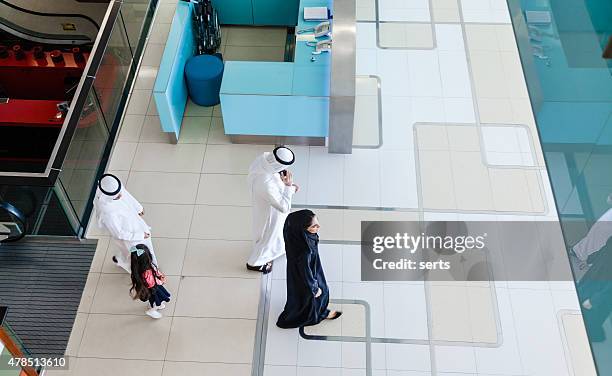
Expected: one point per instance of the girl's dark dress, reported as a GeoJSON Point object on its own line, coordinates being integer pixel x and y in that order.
{"type": "Point", "coordinates": [304, 274]}
{"type": "Point", "coordinates": [159, 294]}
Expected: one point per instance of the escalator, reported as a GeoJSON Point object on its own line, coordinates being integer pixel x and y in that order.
{"type": "Point", "coordinates": [44, 50]}
{"type": "Point", "coordinates": [50, 27]}
{"type": "Point", "coordinates": [61, 100]}
{"type": "Point", "coordinates": [29, 210]}
{"type": "Point", "coordinates": [13, 224]}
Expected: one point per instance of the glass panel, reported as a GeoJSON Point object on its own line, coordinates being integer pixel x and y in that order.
{"type": "Point", "coordinates": [113, 72]}
{"type": "Point", "coordinates": [27, 200]}
{"type": "Point", "coordinates": [35, 123]}
{"type": "Point", "coordinates": [113, 80]}
{"type": "Point", "coordinates": [65, 208]}
{"type": "Point", "coordinates": [15, 340]}
{"type": "Point", "coordinates": [561, 43]}
{"type": "Point", "coordinates": [84, 155]}
{"type": "Point", "coordinates": [36, 85]}
{"type": "Point", "coordinates": [137, 15]}
{"type": "Point", "coordinates": [41, 208]}
{"type": "Point", "coordinates": [63, 205]}
{"type": "Point", "coordinates": [58, 217]}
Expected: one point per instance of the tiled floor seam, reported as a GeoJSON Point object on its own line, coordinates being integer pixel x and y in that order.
{"type": "Point", "coordinates": [169, 316]}
{"type": "Point", "coordinates": [518, 348]}
{"type": "Point", "coordinates": [476, 110]}
{"type": "Point", "coordinates": [563, 335]}
{"type": "Point", "coordinates": [378, 21]}
{"type": "Point", "coordinates": [160, 360]}
{"type": "Point", "coordinates": [482, 142]}
{"type": "Point", "coordinates": [259, 344]}
{"type": "Point", "coordinates": [544, 212]}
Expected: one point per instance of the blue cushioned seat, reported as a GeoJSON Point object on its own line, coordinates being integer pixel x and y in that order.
{"type": "Point", "coordinates": [203, 74]}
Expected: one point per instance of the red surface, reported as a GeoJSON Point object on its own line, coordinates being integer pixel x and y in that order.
{"type": "Point", "coordinates": [31, 78]}
{"type": "Point", "coordinates": [29, 113]}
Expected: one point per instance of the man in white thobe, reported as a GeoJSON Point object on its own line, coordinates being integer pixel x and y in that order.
{"type": "Point", "coordinates": [119, 212]}
{"type": "Point", "coordinates": [271, 187]}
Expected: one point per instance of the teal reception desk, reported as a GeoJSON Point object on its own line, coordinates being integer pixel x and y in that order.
{"type": "Point", "coordinates": [284, 100]}
{"type": "Point", "coordinates": [309, 100]}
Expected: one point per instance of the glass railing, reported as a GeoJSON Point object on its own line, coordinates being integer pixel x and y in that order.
{"type": "Point", "coordinates": [114, 63]}
{"type": "Point", "coordinates": [561, 45]}
{"type": "Point", "coordinates": [90, 126]}
{"type": "Point", "coordinates": [13, 353]}
{"type": "Point", "coordinates": [43, 210]}
{"type": "Point", "coordinates": [84, 155]}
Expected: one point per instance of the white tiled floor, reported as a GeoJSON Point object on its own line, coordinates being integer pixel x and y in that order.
{"type": "Point", "coordinates": [485, 11]}
{"type": "Point", "coordinates": [397, 10]}
{"type": "Point", "coordinates": [408, 35]}
{"type": "Point", "coordinates": [507, 146]}
{"type": "Point", "coordinates": [438, 86]}
{"type": "Point", "coordinates": [468, 100]}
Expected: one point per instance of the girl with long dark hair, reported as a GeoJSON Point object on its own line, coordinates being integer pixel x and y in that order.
{"type": "Point", "coordinates": [148, 281]}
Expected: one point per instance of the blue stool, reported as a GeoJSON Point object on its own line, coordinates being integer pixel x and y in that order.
{"type": "Point", "coordinates": [203, 74]}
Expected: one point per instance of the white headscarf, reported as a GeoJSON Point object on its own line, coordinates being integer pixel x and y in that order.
{"type": "Point", "coordinates": [108, 183]}
{"type": "Point", "coordinates": [269, 163]}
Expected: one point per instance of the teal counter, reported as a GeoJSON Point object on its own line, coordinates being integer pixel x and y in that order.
{"type": "Point", "coordinates": [257, 12]}
{"type": "Point", "coordinates": [302, 77]}
{"type": "Point", "coordinates": [279, 98]}
{"type": "Point", "coordinates": [170, 89]}
{"type": "Point", "coordinates": [257, 78]}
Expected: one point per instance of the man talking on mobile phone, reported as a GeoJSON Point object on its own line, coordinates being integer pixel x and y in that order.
{"type": "Point", "coordinates": [272, 188]}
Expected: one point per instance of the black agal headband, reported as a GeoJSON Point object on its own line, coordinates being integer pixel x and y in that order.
{"type": "Point", "coordinates": [113, 193]}
{"type": "Point", "coordinates": [279, 160]}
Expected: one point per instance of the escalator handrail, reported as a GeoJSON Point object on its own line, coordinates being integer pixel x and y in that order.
{"type": "Point", "coordinates": [17, 214]}
{"type": "Point", "coordinates": [10, 27]}
{"type": "Point", "coordinates": [3, 310]}
{"type": "Point", "coordinates": [51, 14]}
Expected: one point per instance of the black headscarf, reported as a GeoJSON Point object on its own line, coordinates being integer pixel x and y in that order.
{"type": "Point", "coordinates": [297, 235]}
{"type": "Point", "coordinates": [305, 276]}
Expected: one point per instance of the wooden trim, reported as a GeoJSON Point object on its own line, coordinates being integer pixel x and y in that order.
{"type": "Point", "coordinates": [12, 348]}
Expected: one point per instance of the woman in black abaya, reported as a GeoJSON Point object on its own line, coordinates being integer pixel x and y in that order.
{"type": "Point", "coordinates": [307, 291]}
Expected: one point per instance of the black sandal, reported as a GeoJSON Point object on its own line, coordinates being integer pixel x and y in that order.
{"type": "Point", "coordinates": [264, 269]}
{"type": "Point", "coordinates": [338, 314]}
